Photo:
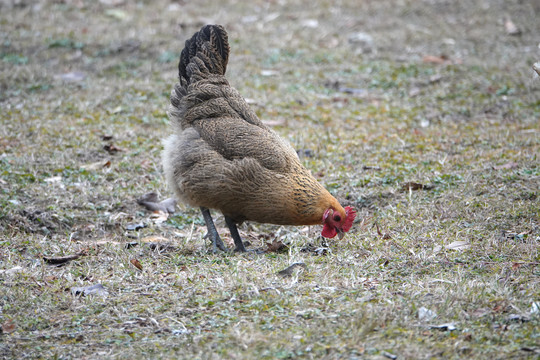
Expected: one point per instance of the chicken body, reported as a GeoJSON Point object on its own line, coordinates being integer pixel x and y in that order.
{"type": "Point", "coordinates": [221, 156]}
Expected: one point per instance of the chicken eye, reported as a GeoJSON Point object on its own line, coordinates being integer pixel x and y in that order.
{"type": "Point", "coordinates": [337, 218]}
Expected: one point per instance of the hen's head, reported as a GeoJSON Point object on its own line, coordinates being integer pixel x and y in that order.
{"type": "Point", "coordinates": [337, 221]}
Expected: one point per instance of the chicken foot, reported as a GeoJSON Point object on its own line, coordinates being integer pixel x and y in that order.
{"type": "Point", "coordinates": [217, 243]}
{"type": "Point", "coordinates": [235, 235]}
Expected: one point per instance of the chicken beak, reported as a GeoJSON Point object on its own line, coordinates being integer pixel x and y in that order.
{"type": "Point", "coordinates": [340, 233]}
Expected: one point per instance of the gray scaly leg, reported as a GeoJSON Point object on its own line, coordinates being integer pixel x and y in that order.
{"type": "Point", "coordinates": [212, 232]}
{"type": "Point", "coordinates": [235, 235]}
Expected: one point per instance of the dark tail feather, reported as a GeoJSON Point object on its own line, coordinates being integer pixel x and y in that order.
{"type": "Point", "coordinates": [206, 53]}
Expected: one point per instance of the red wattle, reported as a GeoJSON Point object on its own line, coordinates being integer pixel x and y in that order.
{"type": "Point", "coordinates": [328, 231]}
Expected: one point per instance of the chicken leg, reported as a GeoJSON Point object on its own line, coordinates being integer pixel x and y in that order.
{"type": "Point", "coordinates": [235, 235]}
{"type": "Point", "coordinates": [217, 243]}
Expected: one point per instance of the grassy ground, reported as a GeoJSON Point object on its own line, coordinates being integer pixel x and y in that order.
{"type": "Point", "coordinates": [377, 94]}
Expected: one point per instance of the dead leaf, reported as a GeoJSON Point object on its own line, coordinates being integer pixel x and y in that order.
{"type": "Point", "coordinates": [368, 167]}
{"type": "Point", "coordinates": [388, 355]}
{"type": "Point", "coordinates": [53, 179]}
{"type": "Point", "coordinates": [435, 78]}
{"type": "Point", "coordinates": [96, 165]}
{"type": "Point", "coordinates": [378, 230]}
{"type": "Point", "coordinates": [310, 23]}
{"type": "Point", "coordinates": [158, 243]}
{"type": "Point", "coordinates": [267, 72]}
{"type": "Point", "coordinates": [135, 227]}
{"type": "Point", "coordinates": [536, 350]}
{"type": "Point", "coordinates": [150, 202]}
{"type": "Point", "coordinates": [136, 263]}
{"type": "Point", "coordinates": [130, 244]}
{"type": "Point", "coordinates": [116, 13]}
{"type": "Point", "coordinates": [510, 165]}
{"type": "Point", "coordinates": [518, 318]}
{"type": "Point", "coordinates": [384, 236]}
{"type": "Point", "coordinates": [511, 28]}
{"type": "Point", "coordinates": [112, 149]}
{"type": "Point", "coordinates": [154, 239]}
{"type": "Point", "coordinates": [458, 245]}
{"type": "Point", "coordinates": [481, 312]}
{"type": "Point", "coordinates": [362, 42]}
{"type": "Point", "coordinates": [415, 186]}
{"type": "Point", "coordinates": [8, 327]}
{"type": "Point", "coordinates": [159, 217]}
{"type": "Point", "coordinates": [96, 289]}
{"type": "Point", "coordinates": [277, 246]}
{"type": "Point", "coordinates": [431, 59]}
{"type": "Point", "coordinates": [536, 67]}
{"type": "Point", "coordinates": [62, 260]}
{"type": "Point", "coordinates": [74, 76]}
{"type": "Point", "coordinates": [425, 314]}
{"type": "Point", "coordinates": [289, 271]}
{"type": "Point", "coordinates": [444, 327]}
{"type": "Point", "coordinates": [353, 91]}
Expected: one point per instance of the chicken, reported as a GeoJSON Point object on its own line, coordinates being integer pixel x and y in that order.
{"type": "Point", "coordinates": [221, 156]}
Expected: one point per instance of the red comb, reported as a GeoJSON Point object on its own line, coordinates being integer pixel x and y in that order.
{"type": "Point", "coordinates": [351, 214]}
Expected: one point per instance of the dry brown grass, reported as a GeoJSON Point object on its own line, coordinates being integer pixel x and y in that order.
{"type": "Point", "coordinates": [373, 115]}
